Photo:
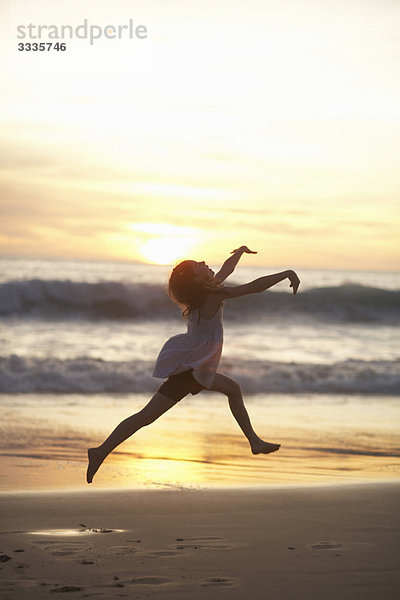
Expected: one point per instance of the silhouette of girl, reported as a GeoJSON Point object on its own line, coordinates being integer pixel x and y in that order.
{"type": "Point", "coordinates": [189, 361]}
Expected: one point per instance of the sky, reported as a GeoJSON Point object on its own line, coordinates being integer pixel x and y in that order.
{"type": "Point", "coordinates": [274, 124]}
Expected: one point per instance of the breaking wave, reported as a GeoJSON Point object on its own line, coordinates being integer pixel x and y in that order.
{"type": "Point", "coordinates": [89, 375]}
{"type": "Point", "coordinates": [115, 300]}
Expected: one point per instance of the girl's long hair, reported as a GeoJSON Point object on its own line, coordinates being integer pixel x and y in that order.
{"type": "Point", "coordinates": [186, 290]}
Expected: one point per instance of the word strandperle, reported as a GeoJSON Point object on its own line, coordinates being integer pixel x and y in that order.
{"type": "Point", "coordinates": [84, 31]}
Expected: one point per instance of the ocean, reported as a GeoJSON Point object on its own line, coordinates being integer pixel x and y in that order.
{"type": "Point", "coordinates": [319, 371]}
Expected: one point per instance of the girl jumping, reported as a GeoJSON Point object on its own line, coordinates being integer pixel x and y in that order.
{"type": "Point", "coordinates": [189, 361]}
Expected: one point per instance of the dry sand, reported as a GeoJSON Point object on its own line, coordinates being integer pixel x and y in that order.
{"type": "Point", "coordinates": [334, 542]}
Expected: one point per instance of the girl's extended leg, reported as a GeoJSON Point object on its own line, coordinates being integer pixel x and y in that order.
{"type": "Point", "coordinates": [232, 389]}
{"type": "Point", "coordinates": [158, 405]}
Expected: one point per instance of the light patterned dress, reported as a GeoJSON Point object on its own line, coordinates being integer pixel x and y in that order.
{"type": "Point", "coordinates": [198, 349]}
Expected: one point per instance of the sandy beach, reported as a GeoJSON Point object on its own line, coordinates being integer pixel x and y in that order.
{"type": "Point", "coordinates": [331, 542]}
{"type": "Point", "coordinates": [210, 188]}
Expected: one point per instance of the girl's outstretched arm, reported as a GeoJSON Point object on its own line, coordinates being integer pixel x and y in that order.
{"type": "Point", "coordinates": [229, 265]}
{"type": "Point", "coordinates": [261, 284]}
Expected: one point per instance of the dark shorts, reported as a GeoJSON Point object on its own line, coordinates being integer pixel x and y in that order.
{"type": "Point", "coordinates": [180, 385]}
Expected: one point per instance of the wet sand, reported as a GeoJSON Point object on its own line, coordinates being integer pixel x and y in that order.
{"type": "Point", "coordinates": [328, 542]}
{"type": "Point", "coordinates": [324, 440]}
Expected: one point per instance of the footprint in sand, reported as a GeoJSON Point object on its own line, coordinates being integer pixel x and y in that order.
{"type": "Point", "coordinates": [220, 582]}
{"type": "Point", "coordinates": [66, 588]}
{"type": "Point", "coordinates": [148, 580]}
{"type": "Point", "coordinates": [119, 550]}
{"type": "Point", "coordinates": [60, 547]}
{"type": "Point", "coordinates": [203, 543]}
{"type": "Point", "coordinates": [156, 553]}
{"type": "Point", "coordinates": [326, 546]}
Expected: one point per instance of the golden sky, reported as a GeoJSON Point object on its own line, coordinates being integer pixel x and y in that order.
{"type": "Point", "coordinates": [270, 123]}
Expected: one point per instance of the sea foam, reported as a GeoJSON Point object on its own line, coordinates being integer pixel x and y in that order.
{"type": "Point", "coordinates": [89, 375]}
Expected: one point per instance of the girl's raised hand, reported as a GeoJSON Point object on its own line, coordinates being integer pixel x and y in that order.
{"type": "Point", "coordinates": [243, 249]}
{"type": "Point", "coordinates": [294, 281]}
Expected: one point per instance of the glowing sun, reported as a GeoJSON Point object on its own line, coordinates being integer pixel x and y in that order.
{"type": "Point", "coordinates": [165, 250]}
{"type": "Point", "coordinates": [166, 244]}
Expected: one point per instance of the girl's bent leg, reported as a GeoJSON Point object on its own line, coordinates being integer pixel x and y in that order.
{"type": "Point", "coordinates": [232, 389]}
{"type": "Point", "coordinates": [158, 405]}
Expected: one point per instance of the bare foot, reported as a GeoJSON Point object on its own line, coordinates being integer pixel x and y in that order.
{"type": "Point", "coordinates": [96, 457]}
{"type": "Point", "coordinates": [262, 447]}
